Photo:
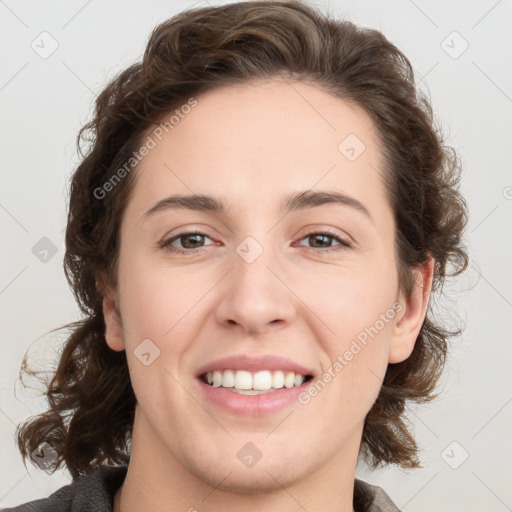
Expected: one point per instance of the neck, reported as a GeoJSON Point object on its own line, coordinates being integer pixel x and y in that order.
{"type": "Point", "coordinates": [117, 499]}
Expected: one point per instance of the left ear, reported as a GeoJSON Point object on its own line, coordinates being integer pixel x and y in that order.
{"type": "Point", "coordinates": [408, 325]}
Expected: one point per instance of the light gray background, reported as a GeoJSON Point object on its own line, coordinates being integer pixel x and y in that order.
{"type": "Point", "coordinates": [44, 102]}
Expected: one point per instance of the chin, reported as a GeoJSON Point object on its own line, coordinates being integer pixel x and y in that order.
{"type": "Point", "coordinates": [270, 473]}
{"type": "Point", "coordinates": [259, 479]}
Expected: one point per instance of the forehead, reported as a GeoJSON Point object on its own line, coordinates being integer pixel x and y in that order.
{"type": "Point", "coordinates": [263, 139]}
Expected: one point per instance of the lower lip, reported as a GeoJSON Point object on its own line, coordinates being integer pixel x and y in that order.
{"type": "Point", "coordinates": [252, 405]}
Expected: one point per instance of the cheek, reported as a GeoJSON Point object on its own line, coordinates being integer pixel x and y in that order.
{"type": "Point", "coordinates": [156, 299]}
{"type": "Point", "coordinates": [161, 305]}
{"type": "Point", "coordinates": [355, 333]}
{"type": "Point", "coordinates": [352, 377]}
{"type": "Point", "coordinates": [159, 325]}
{"type": "Point", "coordinates": [348, 300]}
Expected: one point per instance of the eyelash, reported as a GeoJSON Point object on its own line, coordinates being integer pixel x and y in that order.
{"type": "Point", "coordinates": [166, 244]}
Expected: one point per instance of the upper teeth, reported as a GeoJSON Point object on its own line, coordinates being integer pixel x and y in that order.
{"type": "Point", "coordinates": [265, 379]}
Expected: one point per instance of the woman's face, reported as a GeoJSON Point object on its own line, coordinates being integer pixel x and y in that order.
{"type": "Point", "coordinates": [276, 282]}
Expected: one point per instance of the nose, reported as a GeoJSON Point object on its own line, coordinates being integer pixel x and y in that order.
{"type": "Point", "coordinates": [255, 295]}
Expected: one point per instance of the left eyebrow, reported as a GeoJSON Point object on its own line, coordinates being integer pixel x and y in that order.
{"type": "Point", "coordinates": [311, 199]}
{"type": "Point", "coordinates": [293, 202]}
{"type": "Point", "coordinates": [200, 203]}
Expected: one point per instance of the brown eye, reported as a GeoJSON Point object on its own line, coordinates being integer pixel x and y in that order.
{"type": "Point", "coordinates": [325, 241]}
{"type": "Point", "coordinates": [190, 242]}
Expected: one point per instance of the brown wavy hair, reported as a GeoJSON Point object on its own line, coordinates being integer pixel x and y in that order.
{"type": "Point", "coordinates": [91, 401]}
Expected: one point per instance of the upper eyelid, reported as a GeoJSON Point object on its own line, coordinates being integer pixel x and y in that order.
{"type": "Point", "coordinates": [344, 240]}
{"type": "Point", "coordinates": [339, 238]}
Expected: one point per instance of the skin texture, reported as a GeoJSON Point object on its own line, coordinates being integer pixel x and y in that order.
{"type": "Point", "coordinates": [252, 145]}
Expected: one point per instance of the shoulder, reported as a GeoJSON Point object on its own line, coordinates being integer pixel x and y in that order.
{"type": "Point", "coordinates": [372, 498]}
{"type": "Point", "coordinates": [92, 492]}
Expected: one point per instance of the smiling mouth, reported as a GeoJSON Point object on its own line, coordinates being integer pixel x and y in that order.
{"type": "Point", "coordinates": [254, 383]}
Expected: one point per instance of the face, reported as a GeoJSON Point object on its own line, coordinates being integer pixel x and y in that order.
{"type": "Point", "coordinates": [274, 283]}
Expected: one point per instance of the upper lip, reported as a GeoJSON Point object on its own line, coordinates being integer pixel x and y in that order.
{"type": "Point", "coordinates": [254, 364]}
